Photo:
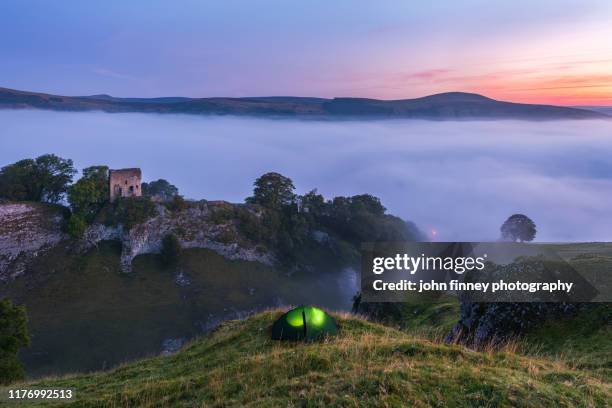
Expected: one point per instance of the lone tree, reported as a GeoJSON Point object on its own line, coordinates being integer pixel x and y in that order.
{"type": "Point", "coordinates": [13, 336]}
{"type": "Point", "coordinates": [45, 178]}
{"type": "Point", "coordinates": [273, 190]}
{"type": "Point", "coordinates": [518, 227]}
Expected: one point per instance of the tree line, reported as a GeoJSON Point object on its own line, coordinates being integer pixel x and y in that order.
{"type": "Point", "coordinates": [49, 179]}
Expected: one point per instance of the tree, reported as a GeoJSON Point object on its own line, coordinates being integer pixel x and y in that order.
{"type": "Point", "coordinates": [89, 194]}
{"type": "Point", "coordinates": [45, 178]}
{"type": "Point", "coordinates": [518, 227]}
{"type": "Point", "coordinates": [17, 180]}
{"type": "Point", "coordinates": [13, 336]}
{"type": "Point", "coordinates": [160, 189]}
{"type": "Point", "coordinates": [55, 174]}
{"type": "Point", "coordinates": [273, 191]}
{"type": "Point", "coordinates": [312, 202]}
{"type": "Point", "coordinates": [367, 203]}
{"type": "Point", "coordinates": [98, 173]}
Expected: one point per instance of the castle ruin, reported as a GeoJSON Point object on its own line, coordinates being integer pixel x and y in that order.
{"type": "Point", "coordinates": [124, 183]}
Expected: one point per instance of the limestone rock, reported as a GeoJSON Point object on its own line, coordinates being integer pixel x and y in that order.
{"type": "Point", "coordinates": [27, 230]}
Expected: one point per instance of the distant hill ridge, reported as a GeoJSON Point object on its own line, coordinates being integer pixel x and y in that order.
{"type": "Point", "coordinates": [450, 105]}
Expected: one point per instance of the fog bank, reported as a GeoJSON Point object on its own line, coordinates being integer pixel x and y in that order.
{"type": "Point", "coordinates": [461, 179]}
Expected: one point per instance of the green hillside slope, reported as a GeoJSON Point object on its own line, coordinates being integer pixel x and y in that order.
{"type": "Point", "coordinates": [583, 341]}
{"type": "Point", "coordinates": [366, 365]}
{"type": "Point", "coordinates": [112, 317]}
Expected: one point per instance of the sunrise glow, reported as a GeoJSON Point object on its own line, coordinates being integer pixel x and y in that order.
{"type": "Point", "coordinates": [549, 52]}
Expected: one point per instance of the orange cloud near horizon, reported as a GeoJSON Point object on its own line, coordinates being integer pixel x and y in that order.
{"type": "Point", "coordinates": [572, 89]}
{"type": "Point", "coordinates": [554, 69]}
{"type": "Point", "coordinates": [520, 85]}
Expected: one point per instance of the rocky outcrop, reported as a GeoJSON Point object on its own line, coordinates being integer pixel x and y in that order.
{"type": "Point", "coordinates": [27, 230]}
{"type": "Point", "coordinates": [484, 325]}
{"type": "Point", "coordinates": [490, 319]}
{"type": "Point", "coordinates": [192, 226]}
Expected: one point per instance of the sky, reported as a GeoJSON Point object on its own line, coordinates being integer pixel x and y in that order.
{"type": "Point", "coordinates": [553, 52]}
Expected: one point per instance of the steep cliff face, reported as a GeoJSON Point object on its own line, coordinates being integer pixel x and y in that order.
{"type": "Point", "coordinates": [26, 231]}
{"type": "Point", "coordinates": [192, 226]}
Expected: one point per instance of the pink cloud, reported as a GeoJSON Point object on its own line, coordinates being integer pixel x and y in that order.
{"type": "Point", "coordinates": [428, 74]}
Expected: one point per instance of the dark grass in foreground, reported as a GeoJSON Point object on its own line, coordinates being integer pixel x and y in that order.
{"type": "Point", "coordinates": [366, 365]}
{"type": "Point", "coordinates": [582, 341]}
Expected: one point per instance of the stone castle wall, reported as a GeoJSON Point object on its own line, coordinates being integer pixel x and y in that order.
{"type": "Point", "coordinates": [124, 183]}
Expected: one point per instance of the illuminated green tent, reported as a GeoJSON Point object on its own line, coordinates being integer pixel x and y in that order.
{"type": "Point", "coordinates": [304, 323]}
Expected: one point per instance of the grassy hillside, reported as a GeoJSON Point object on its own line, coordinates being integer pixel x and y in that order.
{"type": "Point", "coordinates": [85, 315]}
{"type": "Point", "coordinates": [433, 320]}
{"type": "Point", "coordinates": [367, 365]}
{"type": "Point", "coordinates": [583, 341]}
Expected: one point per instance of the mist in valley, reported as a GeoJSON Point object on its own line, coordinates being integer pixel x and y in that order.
{"type": "Point", "coordinates": [457, 180]}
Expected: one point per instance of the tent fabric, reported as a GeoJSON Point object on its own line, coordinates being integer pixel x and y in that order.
{"type": "Point", "coordinates": [304, 323]}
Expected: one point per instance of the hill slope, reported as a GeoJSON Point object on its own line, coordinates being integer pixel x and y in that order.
{"type": "Point", "coordinates": [451, 105]}
{"type": "Point", "coordinates": [601, 109]}
{"type": "Point", "coordinates": [367, 365]}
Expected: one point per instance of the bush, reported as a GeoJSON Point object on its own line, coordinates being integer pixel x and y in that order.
{"type": "Point", "coordinates": [132, 211]}
{"type": "Point", "coordinates": [76, 225]}
{"type": "Point", "coordinates": [222, 215]}
{"type": "Point", "coordinates": [227, 236]}
{"type": "Point", "coordinates": [13, 336]}
{"type": "Point", "coordinates": [251, 226]}
{"type": "Point", "coordinates": [177, 204]}
{"type": "Point", "coordinates": [171, 249]}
